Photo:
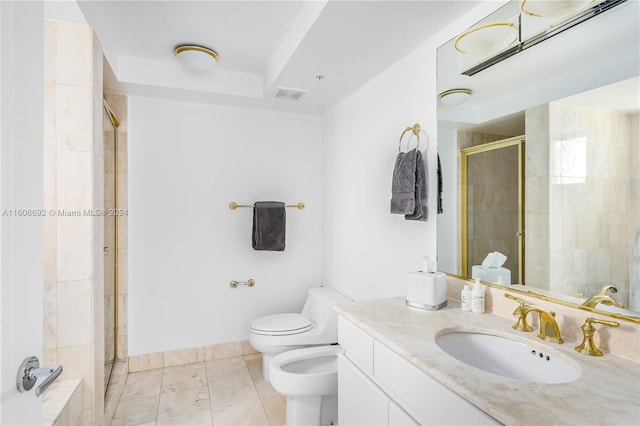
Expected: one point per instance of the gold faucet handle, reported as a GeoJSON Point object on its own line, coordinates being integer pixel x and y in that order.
{"type": "Point", "coordinates": [592, 320]}
{"type": "Point", "coordinates": [521, 314]}
{"type": "Point", "coordinates": [512, 297]}
{"type": "Point", "coordinates": [588, 347]}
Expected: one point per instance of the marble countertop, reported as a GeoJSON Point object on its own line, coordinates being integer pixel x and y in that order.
{"type": "Point", "coordinates": [607, 392]}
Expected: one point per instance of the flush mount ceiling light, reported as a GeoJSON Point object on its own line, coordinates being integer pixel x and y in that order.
{"type": "Point", "coordinates": [455, 96]}
{"type": "Point", "coordinates": [196, 58]}
{"type": "Point", "coordinates": [487, 40]}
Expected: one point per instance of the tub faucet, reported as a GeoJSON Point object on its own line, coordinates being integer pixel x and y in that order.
{"type": "Point", "coordinates": [593, 301]}
{"type": "Point", "coordinates": [549, 329]}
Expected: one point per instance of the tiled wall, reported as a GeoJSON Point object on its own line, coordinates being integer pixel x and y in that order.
{"type": "Point", "coordinates": [536, 216]}
{"type": "Point", "coordinates": [73, 271]}
{"type": "Point", "coordinates": [578, 191]}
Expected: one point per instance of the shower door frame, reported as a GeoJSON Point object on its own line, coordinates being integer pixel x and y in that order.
{"type": "Point", "coordinates": [491, 146]}
{"type": "Point", "coordinates": [116, 124]}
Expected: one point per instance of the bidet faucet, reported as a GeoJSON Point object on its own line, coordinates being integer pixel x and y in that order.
{"type": "Point", "coordinates": [593, 301]}
{"type": "Point", "coordinates": [549, 329]}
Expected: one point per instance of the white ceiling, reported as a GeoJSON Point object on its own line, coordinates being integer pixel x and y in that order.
{"type": "Point", "coordinates": [263, 45]}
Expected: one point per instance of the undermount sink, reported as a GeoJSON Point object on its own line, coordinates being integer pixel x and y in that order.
{"type": "Point", "coordinates": [507, 357]}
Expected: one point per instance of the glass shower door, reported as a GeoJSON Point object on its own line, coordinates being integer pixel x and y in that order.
{"type": "Point", "coordinates": [110, 139]}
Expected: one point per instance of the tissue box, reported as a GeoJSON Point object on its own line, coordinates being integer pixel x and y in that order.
{"type": "Point", "coordinates": [426, 290]}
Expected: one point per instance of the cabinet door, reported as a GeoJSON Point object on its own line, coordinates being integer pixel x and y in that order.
{"type": "Point", "coordinates": [356, 343]}
{"type": "Point", "coordinates": [360, 401]}
{"type": "Point", "coordinates": [399, 417]}
{"type": "Point", "coordinates": [433, 403]}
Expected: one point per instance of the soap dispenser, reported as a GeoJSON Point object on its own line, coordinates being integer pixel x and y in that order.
{"type": "Point", "coordinates": [477, 297]}
{"type": "Point", "coordinates": [465, 298]}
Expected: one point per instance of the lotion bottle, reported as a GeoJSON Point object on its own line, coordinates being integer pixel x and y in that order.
{"type": "Point", "coordinates": [477, 298]}
{"type": "Point", "coordinates": [465, 298]}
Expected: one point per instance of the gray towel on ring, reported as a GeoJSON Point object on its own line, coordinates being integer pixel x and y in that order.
{"type": "Point", "coordinates": [409, 186]}
{"type": "Point", "coordinates": [269, 226]}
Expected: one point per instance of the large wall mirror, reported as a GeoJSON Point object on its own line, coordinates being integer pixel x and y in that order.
{"type": "Point", "coordinates": [540, 152]}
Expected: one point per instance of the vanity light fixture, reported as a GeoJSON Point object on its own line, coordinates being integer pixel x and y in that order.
{"type": "Point", "coordinates": [487, 40]}
{"type": "Point", "coordinates": [553, 9]}
{"type": "Point", "coordinates": [455, 96]}
{"type": "Point", "coordinates": [581, 16]}
{"type": "Point", "coordinates": [196, 58]}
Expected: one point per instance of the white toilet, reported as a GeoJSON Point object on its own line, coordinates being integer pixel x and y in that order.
{"type": "Point", "coordinates": [309, 379]}
{"type": "Point", "coordinates": [317, 324]}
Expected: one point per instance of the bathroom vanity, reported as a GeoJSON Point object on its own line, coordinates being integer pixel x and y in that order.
{"type": "Point", "coordinates": [392, 371]}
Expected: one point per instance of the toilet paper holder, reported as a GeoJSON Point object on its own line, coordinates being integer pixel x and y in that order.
{"type": "Point", "coordinates": [249, 283]}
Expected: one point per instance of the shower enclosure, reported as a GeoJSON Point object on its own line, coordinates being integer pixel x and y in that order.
{"type": "Point", "coordinates": [111, 125]}
{"type": "Point", "coordinates": [493, 204]}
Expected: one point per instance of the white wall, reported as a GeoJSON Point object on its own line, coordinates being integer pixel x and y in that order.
{"type": "Point", "coordinates": [367, 250]}
{"type": "Point", "coordinates": [187, 161]}
{"type": "Point", "coordinates": [448, 253]}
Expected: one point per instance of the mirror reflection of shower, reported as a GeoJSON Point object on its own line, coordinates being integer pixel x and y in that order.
{"type": "Point", "coordinates": [492, 211]}
{"type": "Point", "coordinates": [110, 138]}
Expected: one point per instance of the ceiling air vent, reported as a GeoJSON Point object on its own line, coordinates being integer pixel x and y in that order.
{"type": "Point", "coordinates": [288, 93]}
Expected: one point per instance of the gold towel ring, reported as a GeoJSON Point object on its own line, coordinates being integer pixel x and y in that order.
{"type": "Point", "coordinates": [415, 129]}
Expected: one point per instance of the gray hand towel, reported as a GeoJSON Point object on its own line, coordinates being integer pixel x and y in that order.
{"type": "Point", "coordinates": [403, 184]}
{"type": "Point", "coordinates": [421, 190]}
{"type": "Point", "coordinates": [269, 226]}
{"type": "Point", "coordinates": [409, 186]}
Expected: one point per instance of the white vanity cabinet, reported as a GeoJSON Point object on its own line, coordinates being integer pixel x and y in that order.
{"type": "Point", "coordinates": [368, 366]}
{"type": "Point", "coordinates": [360, 401]}
{"type": "Point", "coordinates": [399, 417]}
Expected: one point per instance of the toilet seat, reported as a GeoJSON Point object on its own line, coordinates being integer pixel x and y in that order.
{"type": "Point", "coordinates": [281, 325]}
{"type": "Point", "coordinates": [308, 371]}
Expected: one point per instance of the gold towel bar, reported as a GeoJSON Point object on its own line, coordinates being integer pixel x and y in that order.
{"type": "Point", "coordinates": [416, 130]}
{"type": "Point", "coordinates": [233, 205]}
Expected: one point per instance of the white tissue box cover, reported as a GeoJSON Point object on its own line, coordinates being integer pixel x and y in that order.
{"type": "Point", "coordinates": [427, 290]}
{"type": "Point", "coordinates": [491, 275]}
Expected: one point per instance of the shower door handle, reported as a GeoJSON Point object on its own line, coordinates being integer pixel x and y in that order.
{"type": "Point", "coordinates": [29, 372]}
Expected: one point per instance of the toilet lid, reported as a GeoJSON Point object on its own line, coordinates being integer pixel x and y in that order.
{"type": "Point", "coordinates": [281, 324]}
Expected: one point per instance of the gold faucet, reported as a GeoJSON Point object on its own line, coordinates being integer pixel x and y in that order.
{"type": "Point", "coordinates": [549, 329]}
{"type": "Point", "coordinates": [593, 301]}
{"type": "Point", "coordinates": [588, 347]}
{"type": "Point", "coordinates": [521, 324]}
{"type": "Point", "coordinates": [603, 290]}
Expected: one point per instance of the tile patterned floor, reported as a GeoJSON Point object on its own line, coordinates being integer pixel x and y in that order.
{"type": "Point", "coordinates": [227, 392]}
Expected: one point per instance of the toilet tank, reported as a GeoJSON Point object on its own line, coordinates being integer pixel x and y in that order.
{"type": "Point", "coordinates": [318, 308]}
